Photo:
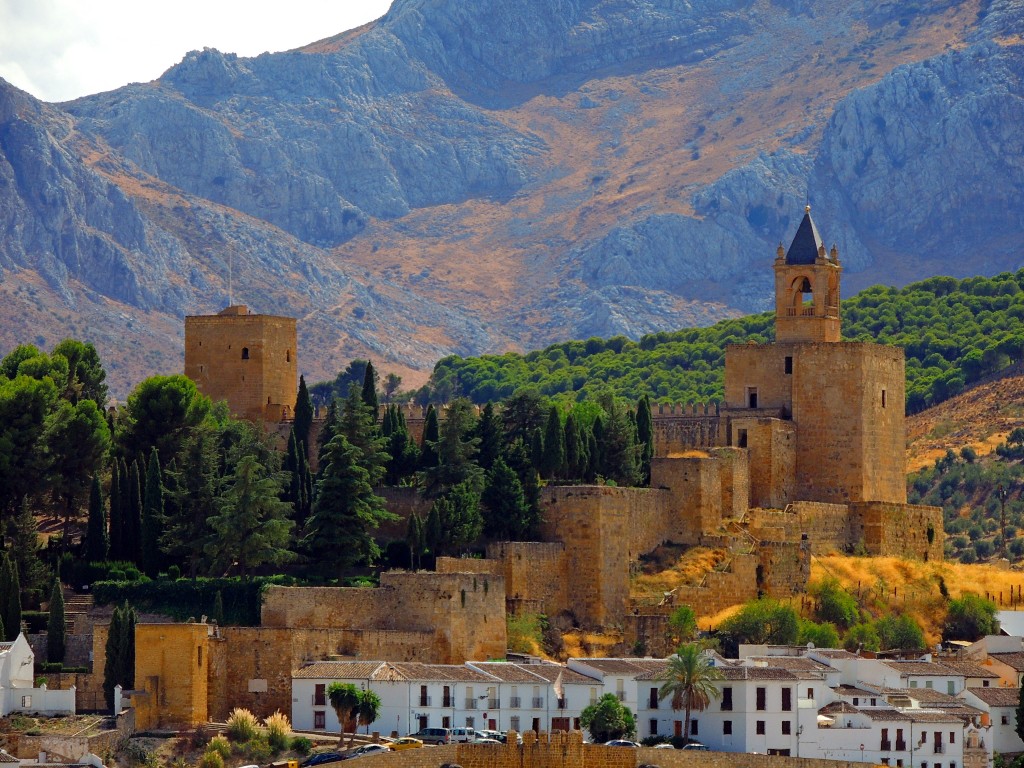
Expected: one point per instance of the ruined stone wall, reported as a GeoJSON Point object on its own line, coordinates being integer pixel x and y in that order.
{"type": "Point", "coordinates": [248, 360]}
{"type": "Point", "coordinates": [785, 567]}
{"type": "Point", "coordinates": [720, 589]}
{"type": "Point", "coordinates": [735, 470]}
{"type": "Point", "coordinates": [679, 428]}
{"type": "Point", "coordinates": [536, 575]}
{"type": "Point", "coordinates": [900, 530]}
{"type": "Point", "coordinates": [692, 506]}
{"type": "Point", "coordinates": [828, 526]}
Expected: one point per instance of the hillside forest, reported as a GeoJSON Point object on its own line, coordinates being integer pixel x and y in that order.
{"type": "Point", "coordinates": [170, 503]}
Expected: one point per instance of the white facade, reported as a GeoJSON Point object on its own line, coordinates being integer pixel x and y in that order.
{"type": "Point", "coordinates": [17, 684]}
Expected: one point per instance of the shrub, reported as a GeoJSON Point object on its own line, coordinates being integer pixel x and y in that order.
{"type": "Point", "coordinates": [278, 728]}
{"type": "Point", "coordinates": [211, 759]}
{"type": "Point", "coordinates": [219, 745]}
{"type": "Point", "coordinates": [302, 745]}
{"type": "Point", "coordinates": [242, 725]}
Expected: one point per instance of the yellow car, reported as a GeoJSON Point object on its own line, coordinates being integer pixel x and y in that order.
{"type": "Point", "coordinates": [406, 742]}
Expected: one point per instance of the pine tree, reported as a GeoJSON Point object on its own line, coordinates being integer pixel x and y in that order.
{"type": "Point", "coordinates": [553, 455]}
{"type": "Point", "coordinates": [401, 448]}
{"type": "Point", "coordinates": [359, 426]}
{"type": "Point", "coordinates": [537, 449]}
{"type": "Point", "coordinates": [346, 511]}
{"type": "Point", "coordinates": [56, 625]}
{"type": "Point", "coordinates": [303, 414]}
{"type": "Point", "coordinates": [456, 452]}
{"type": "Point", "coordinates": [327, 433]}
{"type": "Point", "coordinates": [369, 393]}
{"type": "Point", "coordinates": [115, 654]}
{"type": "Point", "coordinates": [116, 522]}
{"type": "Point", "coordinates": [252, 525]}
{"type": "Point", "coordinates": [620, 452]}
{"type": "Point", "coordinates": [458, 516]}
{"type": "Point", "coordinates": [505, 508]}
{"type": "Point", "coordinates": [192, 486]}
{"type": "Point", "coordinates": [96, 542]}
{"type": "Point", "coordinates": [152, 518]}
{"type": "Point", "coordinates": [5, 588]}
{"type": "Point", "coordinates": [645, 437]}
{"type": "Point", "coordinates": [431, 434]}
{"type": "Point", "coordinates": [24, 548]}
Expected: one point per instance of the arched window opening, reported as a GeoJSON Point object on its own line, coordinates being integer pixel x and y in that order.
{"type": "Point", "coordinates": [803, 297]}
{"type": "Point", "coordinates": [288, 356]}
{"type": "Point", "coordinates": [245, 353]}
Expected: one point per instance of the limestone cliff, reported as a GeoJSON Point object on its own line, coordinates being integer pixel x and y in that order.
{"type": "Point", "coordinates": [471, 177]}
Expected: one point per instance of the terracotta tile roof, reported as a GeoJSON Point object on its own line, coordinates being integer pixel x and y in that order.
{"type": "Point", "coordinates": [932, 716]}
{"type": "Point", "coordinates": [338, 670]}
{"type": "Point", "coordinates": [969, 669]}
{"type": "Point", "coordinates": [834, 653]}
{"type": "Point", "coordinates": [886, 715]}
{"type": "Point", "coordinates": [920, 668]}
{"type": "Point", "coordinates": [837, 707]}
{"type": "Point", "coordinates": [756, 673]}
{"type": "Point", "coordinates": [1014, 660]}
{"type": "Point", "coordinates": [929, 695]}
{"type": "Point", "coordinates": [460, 673]}
{"type": "Point", "coordinates": [794, 663]}
{"type": "Point", "coordinates": [506, 672]}
{"type": "Point", "coordinates": [569, 677]}
{"type": "Point", "coordinates": [852, 690]}
{"type": "Point", "coordinates": [624, 667]}
{"type": "Point", "coordinates": [998, 697]}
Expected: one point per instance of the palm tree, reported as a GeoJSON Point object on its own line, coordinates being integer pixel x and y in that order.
{"type": "Point", "coordinates": [690, 681]}
{"type": "Point", "coordinates": [368, 709]}
{"type": "Point", "coordinates": [344, 698]}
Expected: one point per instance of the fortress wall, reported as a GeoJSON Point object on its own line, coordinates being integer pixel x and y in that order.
{"type": "Point", "coordinates": [785, 567]}
{"type": "Point", "coordinates": [693, 501]}
{"type": "Point", "coordinates": [735, 470]}
{"type": "Point", "coordinates": [676, 432]}
{"type": "Point", "coordinates": [536, 575]}
{"type": "Point", "coordinates": [900, 530]}
{"type": "Point", "coordinates": [827, 525]}
{"type": "Point", "coordinates": [720, 589]}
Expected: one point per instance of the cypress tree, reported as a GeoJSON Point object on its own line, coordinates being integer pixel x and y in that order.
{"type": "Point", "coordinates": [303, 414]}
{"type": "Point", "coordinates": [575, 455]}
{"type": "Point", "coordinates": [506, 511]}
{"type": "Point", "coordinates": [491, 435]}
{"type": "Point", "coordinates": [130, 620]}
{"type": "Point", "coordinates": [593, 453]}
{"type": "Point", "coordinates": [414, 539]}
{"type": "Point", "coordinates": [132, 543]}
{"type": "Point", "coordinates": [96, 542]}
{"type": "Point", "coordinates": [5, 588]}
{"type": "Point", "coordinates": [369, 394]}
{"type": "Point", "coordinates": [645, 437]}
{"type": "Point", "coordinates": [553, 456]}
{"type": "Point", "coordinates": [152, 522]}
{"type": "Point", "coordinates": [113, 665]}
{"type": "Point", "coordinates": [218, 608]}
{"type": "Point", "coordinates": [116, 516]}
{"type": "Point", "coordinates": [56, 626]}
{"type": "Point", "coordinates": [12, 602]}
{"type": "Point", "coordinates": [537, 449]}
{"type": "Point", "coordinates": [431, 436]}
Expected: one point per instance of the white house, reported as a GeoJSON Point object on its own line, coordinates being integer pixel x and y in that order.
{"type": "Point", "coordinates": [17, 684]}
{"type": "Point", "coordinates": [617, 676]}
{"type": "Point", "coordinates": [1001, 706]}
{"type": "Point", "coordinates": [539, 697]}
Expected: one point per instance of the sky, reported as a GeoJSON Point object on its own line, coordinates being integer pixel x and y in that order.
{"type": "Point", "coordinates": [62, 49]}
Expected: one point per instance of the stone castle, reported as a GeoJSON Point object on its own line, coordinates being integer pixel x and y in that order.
{"type": "Point", "coordinates": [804, 456]}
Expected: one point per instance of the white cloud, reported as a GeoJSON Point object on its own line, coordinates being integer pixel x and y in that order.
{"type": "Point", "coordinates": [61, 49]}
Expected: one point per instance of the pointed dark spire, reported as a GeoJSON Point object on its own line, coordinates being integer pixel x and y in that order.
{"type": "Point", "coordinates": [806, 242]}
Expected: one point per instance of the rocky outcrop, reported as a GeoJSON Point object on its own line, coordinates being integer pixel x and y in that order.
{"type": "Point", "coordinates": [472, 177]}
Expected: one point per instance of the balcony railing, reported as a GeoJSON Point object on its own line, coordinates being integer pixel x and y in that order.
{"type": "Point", "coordinates": [492, 704]}
{"type": "Point", "coordinates": [538, 702]}
{"type": "Point", "coordinates": [448, 702]}
{"type": "Point", "coordinates": [727, 705]}
{"type": "Point", "coordinates": [939, 749]}
{"type": "Point", "coordinates": [470, 703]}
{"type": "Point", "coordinates": [620, 695]}
{"type": "Point", "coordinates": [652, 704]}
{"type": "Point", "coordinates": [901, 746]}
{"type": "Point", "coordinates": [562, 703]}
{"type": "Point", "coordinates": [425, 701]}
{"type": "Point", "coordinates": [886, 746]}
{"type": "Point", "coordinates": [515, 702]}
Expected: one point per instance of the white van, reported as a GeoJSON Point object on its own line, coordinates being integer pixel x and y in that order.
{"type": "Point", "coordinates": [463, 735]}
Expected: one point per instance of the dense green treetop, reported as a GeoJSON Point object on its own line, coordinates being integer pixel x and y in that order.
{"type": "Point", "coordinates": [954, 332]}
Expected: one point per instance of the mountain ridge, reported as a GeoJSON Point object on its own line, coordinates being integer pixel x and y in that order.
{"type": "Point", "coordinates": [468, 179]}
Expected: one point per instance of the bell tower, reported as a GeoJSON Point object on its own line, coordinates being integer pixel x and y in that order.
{"type": "Point", "coordinates": [807, 288]}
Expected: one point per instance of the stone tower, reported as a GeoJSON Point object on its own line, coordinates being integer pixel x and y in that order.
{"type": "Point", "coordinates": [823, 418]}
{"type": "Point", "coordinates": [245, 359]}
{"type": "Point", "coordinates": [805, 272]}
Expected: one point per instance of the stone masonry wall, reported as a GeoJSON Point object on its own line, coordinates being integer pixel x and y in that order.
{"type": "Point", "coordinates": [900, 530]}
{"type": "Point", "coordinates": [827, 525]}
{"type": "Point", "coordinates": [536, 575]}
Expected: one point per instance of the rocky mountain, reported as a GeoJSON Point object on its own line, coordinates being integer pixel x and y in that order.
{"type": "Point", "coordinates": [472, 177]}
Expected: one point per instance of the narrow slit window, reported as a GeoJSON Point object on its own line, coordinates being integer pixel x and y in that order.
{"type": "Point", "coordinates": [245, 353]}
{"type": "Point", "coordinates": [741, 438]}
{"type": "Point", "coordinates": [883, 398]}
{"type": "Point", "coordinates": [789, 364]}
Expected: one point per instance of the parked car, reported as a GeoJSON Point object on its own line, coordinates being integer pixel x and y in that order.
{"type": "Point", "coordinates": [482, 740]}
{"type": "Point", "coordinates": [696, 745]}
{"type": "Point", "coordinates": [463, 735]}
{"type": "Point", "coordinates": [367, 749]}
{"type": "Point", "coordinates": [496, 735]}
{"type": "Point", "coordinates": [322, 757]}
{"type": "Point", "coordinates": [435, 736]}
{"type": "Point", "coordinates": [665, 745]}
{"type": "Point", "coordinates": [621, 743]}
{"type": "Point", "coordinates": [406, 742]}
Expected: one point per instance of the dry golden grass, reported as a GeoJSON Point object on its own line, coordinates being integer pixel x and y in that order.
{"type": "Point", "coordinates": [590, 644]}
{"type": "Point", "coordinates": [686, 568]}
{"type": "Point", "coordinates": [885, 584]}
